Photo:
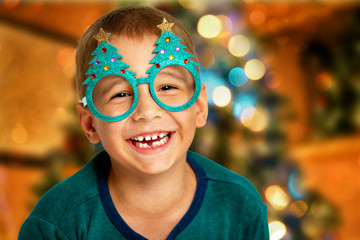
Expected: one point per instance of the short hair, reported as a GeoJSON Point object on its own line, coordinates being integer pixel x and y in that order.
{"type": "Point", "coordinates": [133, 22]}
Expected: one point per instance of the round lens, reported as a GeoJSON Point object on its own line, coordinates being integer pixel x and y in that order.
{"type": "Point", "coordinates": [174, 85]}
{"type": "Point", "coordinates": [113, 96]}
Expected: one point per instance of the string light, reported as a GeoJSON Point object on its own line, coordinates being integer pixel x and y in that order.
{"type": "Point", "coordinates": [296, 186]}
{"type": "Point", "coordinates": [209, 26]}
{"type": "Point", "coordinates": [298, 208]}
{"type": "Point", "coordinates": [244, 100]}
{"type": "Point", "coordinates": [221, 96]}
{"type": "Point", "coordinates": [226, 22]}
{"type": "Point", "coordinates": [11, 4]}
{"type": "Point", "coordinates": [324, 82]}
{"type": "Point", "coordinates": [254, 69]}
{"type": "Point", "coordinates": [212, 80]}
{"type": "Point", "coordinates": [239, 45]}
{"type": "Point", "coordinates": [255, 119]}
{"type": "Point", "coordinates": [277, 197]}
{"type": "Point", "coordinates": [257, 17]}
{"type": "Point", "coordinates": [277, 230]}
{"type": "Point", "coordinates": [237, 77]}
{"type": "Point", "coordinates": [190, 4]}
{"type": "Point", "coordinates": [272, 79]}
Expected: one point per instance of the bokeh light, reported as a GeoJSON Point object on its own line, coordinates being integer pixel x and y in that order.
{"type": "Point", "coordinates": [237, 77]}
{"type": "Point", "coordinates": [298, 208]}
{"type": "Point", "coordinates": [209, 26]}
{"type": "Point", "coordinates": [11, 4]}
{"type": "Point", "coordinates": [226, 22]}
{"type": "Point", "coordinates": [272, 79]}
{"type": "Point", "coordinates": [37, 6]}
{"type": "Point", "coordinates": [296, 186]}
{"type": "Point", "coordinates": [239, 45]}
{"type": "Point", "coordinates": [190, 4]}
{"type": "Point", "coordinates": [277, 230]}
{"type": "Point", "coordinates": [221, 96]}
{"type": "Point", "coordinates": [254, 69]}
{"type": "Point", "coordinates": [212, 80]}
{"type": "Point", "coordinates": [244, 100]}
{"type": "Point", "coordinates": [255, 119]}
{"type": "Point", "coordinates": [257, 17]}
{"type": "Point", "coordinates": [324, 82]}
{"type": "Point", "coordinates": [19, 134]}
{"type": "Point", "coordinates": [277, 197]}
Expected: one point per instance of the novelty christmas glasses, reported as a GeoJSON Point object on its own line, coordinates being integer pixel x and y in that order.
{"type": "Point", "coordinates": [173, 80]}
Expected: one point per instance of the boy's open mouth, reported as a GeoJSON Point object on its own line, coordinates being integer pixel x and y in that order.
{"type": "Point", "coordinates": [151, 141]}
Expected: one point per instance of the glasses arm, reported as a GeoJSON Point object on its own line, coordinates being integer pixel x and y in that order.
{"type": "Point", "coordinates": [83, 101]}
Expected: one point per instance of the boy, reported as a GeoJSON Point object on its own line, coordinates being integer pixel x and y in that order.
{"type": "Point", "coordinates": [141, 97]}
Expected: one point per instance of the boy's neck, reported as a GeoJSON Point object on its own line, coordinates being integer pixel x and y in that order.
{"type": "Point", "coordinates": [153, 195]}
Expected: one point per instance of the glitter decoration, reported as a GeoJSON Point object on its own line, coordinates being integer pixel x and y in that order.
{"type": "Point", "coordinates": [102, 36]}
{"type": "Point", "coordinates": [108, 62]}
{"type": "Point", "coordinates": [165, 26]}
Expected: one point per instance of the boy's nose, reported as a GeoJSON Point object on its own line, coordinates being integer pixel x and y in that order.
{"type": "Point", "coordinates": [146, 108]}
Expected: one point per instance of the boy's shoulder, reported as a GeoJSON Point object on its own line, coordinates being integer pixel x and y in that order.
{"type": "Point", "coordinates": [225, 182]}
{"type": "Point", "coordinates": [70, 194]}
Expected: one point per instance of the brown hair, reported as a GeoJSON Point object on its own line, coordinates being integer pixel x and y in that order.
{"type": "Point", "coordinates": [133, 22]}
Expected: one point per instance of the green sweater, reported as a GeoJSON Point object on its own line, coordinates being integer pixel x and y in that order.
{"type": "Point", "coordinates": [225, 206]}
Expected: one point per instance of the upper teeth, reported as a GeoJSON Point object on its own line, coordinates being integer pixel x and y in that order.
{"type": "Point", "coordinates": [149, 137]}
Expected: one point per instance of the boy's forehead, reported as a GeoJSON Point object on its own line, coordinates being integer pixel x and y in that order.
{"type": "Point", "coordinates": [129, 44]}
{"type": "Point", "coordinates": [136, 52]}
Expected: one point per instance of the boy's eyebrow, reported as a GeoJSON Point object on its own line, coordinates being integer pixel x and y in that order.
{"type": "Point", "coordinates": [173, 72]}
{"type": "Point", "coordinates": [113, 84]}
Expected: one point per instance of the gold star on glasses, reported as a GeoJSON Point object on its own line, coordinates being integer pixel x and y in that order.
{"type": "Point", "coordinates": [102, 36]}
{"type": "Point", "coordinates": [165, 26]}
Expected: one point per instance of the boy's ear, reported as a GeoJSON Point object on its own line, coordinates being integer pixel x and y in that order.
{"type": "Point", "coordinates": [87, 123]}
{"type": "Point", "coordinates": [201, 107]}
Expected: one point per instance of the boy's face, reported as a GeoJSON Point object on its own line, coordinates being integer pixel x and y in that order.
{"type": "Point", "coordinates": [151, 140]}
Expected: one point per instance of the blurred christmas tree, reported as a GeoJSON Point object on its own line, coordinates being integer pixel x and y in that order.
{"type": "Point", "coordinates": [245, 133]}
{"type": "Point", "coordinates": [333, 68]}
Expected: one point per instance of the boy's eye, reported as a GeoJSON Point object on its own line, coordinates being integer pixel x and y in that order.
{"type": "Point", "coordinates": [122, 94]}
{"type": "Point", "coordinates": [167, 87]}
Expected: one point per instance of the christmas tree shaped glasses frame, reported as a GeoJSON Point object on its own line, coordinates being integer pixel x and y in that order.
{"type": "Point", "coordinates": [107, 62]}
